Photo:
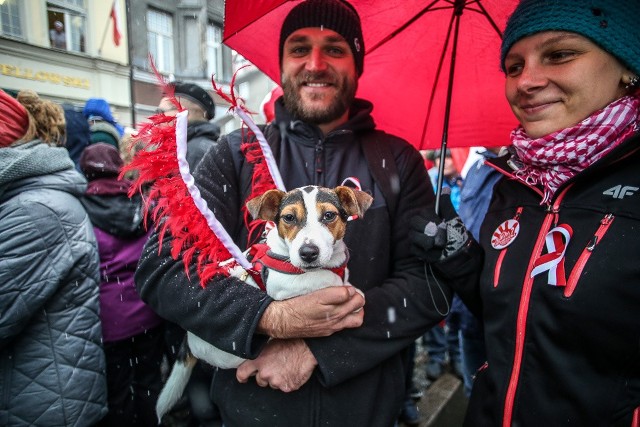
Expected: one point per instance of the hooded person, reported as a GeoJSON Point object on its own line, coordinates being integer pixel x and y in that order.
{"type": "Point", "coordinates": [51, 357]}
{"type": "Point", "coordinates": [97, 110]}
{"type": "Point", "coordinates": [104, 132]}
{"type": "Point", "coordinates": [131, 330]}
{"type": "Point", "coordinates": [77, 132]}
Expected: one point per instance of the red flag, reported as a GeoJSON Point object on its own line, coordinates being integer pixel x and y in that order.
{"type": "Point", "coordinates": [116, 23]}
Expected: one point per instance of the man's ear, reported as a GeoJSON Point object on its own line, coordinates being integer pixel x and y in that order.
{"type": "Point", "coordinates": [266, 206]}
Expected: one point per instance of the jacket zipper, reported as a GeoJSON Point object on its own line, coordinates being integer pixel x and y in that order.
{"type": "Point", "coordinates": [605, 223]}
{"type": "Point", "coordinates": [318, 161]}
{"type": "Point", "coordinates": [503, 253]}
{"type": "Point", "coordinates": [551, 218]}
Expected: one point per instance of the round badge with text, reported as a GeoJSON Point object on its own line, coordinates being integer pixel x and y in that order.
{"type": "Point", "coordinates": [505, 234]}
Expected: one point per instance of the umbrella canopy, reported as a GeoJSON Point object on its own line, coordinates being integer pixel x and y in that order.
{"type": "Point", "coordinates": [408, 69]}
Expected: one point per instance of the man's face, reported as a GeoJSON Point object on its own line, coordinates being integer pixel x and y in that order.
{"type": "Point", "coordinates": [167, 107]}
{"type": "Point", "coordinates": [319, 77]}
{"type": "Point", "coordinates": [450, 170]}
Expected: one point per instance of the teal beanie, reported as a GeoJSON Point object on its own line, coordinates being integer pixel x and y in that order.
{"type": "Point", "coordinates": [611, 24]}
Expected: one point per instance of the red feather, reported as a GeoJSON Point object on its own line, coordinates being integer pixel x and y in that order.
{"type": "Point", "coordinates": [167, 200]}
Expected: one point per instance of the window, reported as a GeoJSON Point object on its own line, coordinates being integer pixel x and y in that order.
{"type": "Point", "coordinates": [67, 24]}
{"type": "Point", "coordinates": [160, 38]}
{"type": "Point", "coordinates": [238, 61]}
{"type": "Point", "coordinates": [10, 19]}
{"type": "Point", "coordinates": [214, 53]}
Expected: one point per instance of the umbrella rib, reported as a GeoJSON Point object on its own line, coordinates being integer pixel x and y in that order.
{"type": "Point", "coordinates": [437, 78]}
{"type": "Point", "coordinates": [445, 129]}
{"type": "Point", "coordinates": [403, 27]}
{"type": "Point", "coordinates": [484, 12]}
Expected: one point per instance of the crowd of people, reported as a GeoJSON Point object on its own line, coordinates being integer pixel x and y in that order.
{"type": "Point", "coordinates": [528, 254]}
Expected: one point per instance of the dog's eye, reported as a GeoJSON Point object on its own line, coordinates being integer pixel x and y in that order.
{"type": "Point", "coordinates": [289, 218]}
{"type": "Point", "coordinates": [329, 216]}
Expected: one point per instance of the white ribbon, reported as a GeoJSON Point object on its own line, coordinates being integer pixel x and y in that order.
{"type": "Point", "coordinates": [264, 145]}
{"type": "Point", "coordinates": [201, 204]}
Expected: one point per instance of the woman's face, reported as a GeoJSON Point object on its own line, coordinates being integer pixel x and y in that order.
{"type": "Point", "coordinates": [556, 79]}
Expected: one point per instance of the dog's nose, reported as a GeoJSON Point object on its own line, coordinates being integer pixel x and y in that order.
{"type": "Point", "coordinates": [309, 253]}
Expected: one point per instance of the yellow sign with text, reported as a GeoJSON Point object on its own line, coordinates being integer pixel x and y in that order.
{"type": "Point", "coordinates": [44, 76]}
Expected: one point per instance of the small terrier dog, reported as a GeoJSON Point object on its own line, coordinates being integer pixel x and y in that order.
{"type": "Point", "coordinates": [304, 252]}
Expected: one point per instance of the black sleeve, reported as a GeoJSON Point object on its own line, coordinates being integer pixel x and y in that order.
{"type": "Point", "coordinates": [225, 312]}
{"type": "Point", "coordinates": [462, 273]}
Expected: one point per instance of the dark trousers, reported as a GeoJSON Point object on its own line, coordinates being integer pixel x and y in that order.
{"type": "Point", "coordinates": [133, 379]}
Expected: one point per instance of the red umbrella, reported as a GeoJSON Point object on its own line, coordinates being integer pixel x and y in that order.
{"type": "Point", "coordinates": [431, 67]}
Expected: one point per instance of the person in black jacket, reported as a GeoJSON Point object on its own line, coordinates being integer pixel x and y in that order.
{"type": "Point", "coordinates": [555, 276]}
{"type": "Point", "coordinates": [331, 357]}
{"type": "Point", "coordinates": [201, 133]}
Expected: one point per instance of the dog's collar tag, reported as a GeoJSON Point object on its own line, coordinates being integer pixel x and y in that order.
{"type": "Point", "coordinates": [505, 234]}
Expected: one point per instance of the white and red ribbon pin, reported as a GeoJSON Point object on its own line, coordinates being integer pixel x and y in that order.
{"type": "Point", "coordinates": [557, 241]}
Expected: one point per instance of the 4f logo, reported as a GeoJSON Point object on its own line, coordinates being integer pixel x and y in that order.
{"type": "Point", "coordinates": [620, 192]}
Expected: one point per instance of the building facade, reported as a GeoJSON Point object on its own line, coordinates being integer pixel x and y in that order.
{"type": "Point", "coordinates": [66, 51]}
{"type": "Point", "coordinates": [184, 40]}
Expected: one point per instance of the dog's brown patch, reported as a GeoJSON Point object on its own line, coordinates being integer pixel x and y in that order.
{"type": "Point", "coordinates": [292, 220]}
{"type": "Point", "coordinates": [329, 215]}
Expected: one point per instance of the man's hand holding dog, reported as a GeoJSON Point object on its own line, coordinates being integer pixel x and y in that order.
{"type": "Point", "coordinates": [284, 365]}
{"type": "Point", "coordinates": [317, 314]}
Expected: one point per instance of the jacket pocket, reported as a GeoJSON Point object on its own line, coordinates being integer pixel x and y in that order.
{"type": "Point", "coordinates": [605, 223]}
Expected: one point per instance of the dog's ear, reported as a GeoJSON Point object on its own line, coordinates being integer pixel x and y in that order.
{"type": "Point", "coordinates": [266, 206]}
{"type": "Point", "coordinates": [354, 202]}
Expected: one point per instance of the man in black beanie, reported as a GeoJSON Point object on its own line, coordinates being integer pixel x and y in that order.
{"type": "Point", "coordinates": [201, 133]}
{"type": "Point", "coordinates": [327, 358]}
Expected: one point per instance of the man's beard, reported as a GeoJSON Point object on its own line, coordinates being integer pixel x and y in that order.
{"type": "Point", "coordinates": [345, 94]}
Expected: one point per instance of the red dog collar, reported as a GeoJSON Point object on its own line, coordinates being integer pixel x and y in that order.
{"type": "Point", "coordinates": [261, 257]}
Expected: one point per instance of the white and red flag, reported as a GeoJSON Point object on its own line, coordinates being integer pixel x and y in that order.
{"type": "Point", "coordinates": [115, 18]}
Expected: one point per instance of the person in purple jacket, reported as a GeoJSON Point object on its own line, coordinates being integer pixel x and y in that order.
{"type": "Point", "coordinates": [133, 333]}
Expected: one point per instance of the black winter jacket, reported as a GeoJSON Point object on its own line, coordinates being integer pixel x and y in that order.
{"type": "Point", "coordinates": [200, 137]}
{"type": "Point", "coordinates": [560, 355]}
{"type": "Point", "coordinates": [360, 376]}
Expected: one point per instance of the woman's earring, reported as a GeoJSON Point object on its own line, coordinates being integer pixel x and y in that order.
{"type": "Point", "coordinates": [633, 83]}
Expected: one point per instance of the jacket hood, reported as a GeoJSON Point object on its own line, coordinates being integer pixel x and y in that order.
{"type": "Point", "coordinates": [203, 129]}
{"type": "Point", "coordinates": [77, 129]}
{"type": "Point", "coordinates": [117, 215]}
{"type": "Point", "coordinates": [110, 208]}
{"type": "Point", "coordinates": [37, 165]}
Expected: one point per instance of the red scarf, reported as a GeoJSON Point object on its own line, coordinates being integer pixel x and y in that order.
{"type": "Point", "coordinates": [553, 159]}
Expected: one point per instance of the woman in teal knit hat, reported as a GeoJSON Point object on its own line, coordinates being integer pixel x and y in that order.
{"type": "Point", "coordinates": [555, 273]}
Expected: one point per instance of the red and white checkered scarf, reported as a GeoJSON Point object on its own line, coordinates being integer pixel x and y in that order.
{"type": "Point", "coordinates": [553, 159]}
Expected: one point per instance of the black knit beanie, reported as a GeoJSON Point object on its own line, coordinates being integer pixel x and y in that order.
{"type": "Point", "coordinates": [335, 15]}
